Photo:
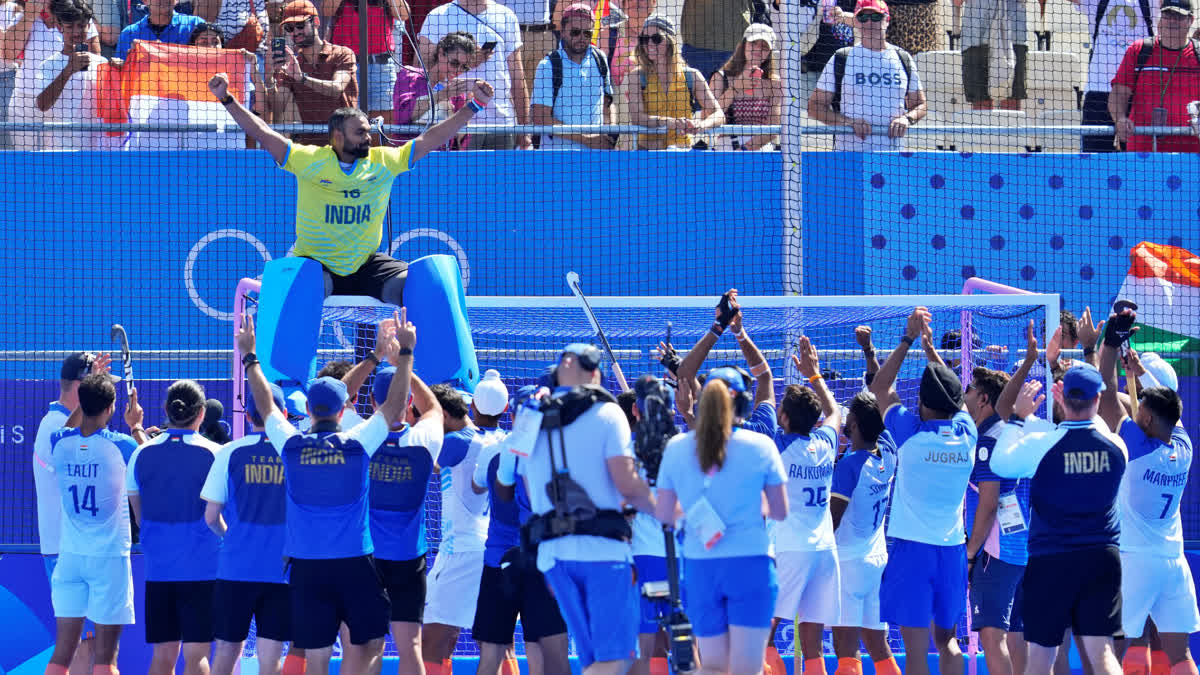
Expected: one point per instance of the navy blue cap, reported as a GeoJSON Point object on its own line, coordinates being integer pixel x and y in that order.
{"type": "Point", "coordinates": [730, 376]}
{"type": "Point", "coordinates": [276, 396]}
{"type": "Point", "coordinates": [1184, 6]}
{"type": "Point", "coordinates": [382, 384]}
{"type": "Point", "coordinates": [1082, 382]}
{"type": "Point", "coordinates": [327, 396]}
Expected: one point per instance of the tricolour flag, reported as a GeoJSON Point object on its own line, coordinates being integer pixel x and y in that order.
{"type": "Point", "coordinates": [1165, 283]}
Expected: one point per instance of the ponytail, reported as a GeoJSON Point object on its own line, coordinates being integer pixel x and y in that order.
{"type": "Point", "coordinates": [185, 402]}
{"type": "Point", "coordinates": [714, 426]}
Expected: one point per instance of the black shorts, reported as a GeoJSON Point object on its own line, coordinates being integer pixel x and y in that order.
{"type": "Point", "coordinates": [517, 589]}
{"type": "Point", "coordinates": [178, 611]}
{"type": "Point", "coordinates": [326, 593]}
{"type": "Point", "coordinates": [235, 602]}
{"type": "Point", "coordinates": [404, 581]}
{"type": "Point", "coordinates": [1080, 590]}
{"type": "Point", "coordinates": [369, 279]}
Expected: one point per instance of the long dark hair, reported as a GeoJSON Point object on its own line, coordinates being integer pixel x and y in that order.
{"type": "Point", "coordinates": [737, 63]}
{"type": "Point", "coordinates": [185, 402]}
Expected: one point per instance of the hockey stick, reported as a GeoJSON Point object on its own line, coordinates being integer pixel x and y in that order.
{"type": "Point", "coordinates": [573, 283]}
{"type": "Point", "coordinates": [118, 334]}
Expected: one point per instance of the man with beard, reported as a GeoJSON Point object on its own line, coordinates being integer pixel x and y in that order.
{"type": "Point", "coordinates": [343, 190]}
{"type": "Point", "coordinates": [572, 85]}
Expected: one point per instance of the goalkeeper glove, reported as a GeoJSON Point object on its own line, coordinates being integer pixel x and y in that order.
{"type": "Point", "coordinates": [1118, 328]}
{"type": "Point", "coordinates": [726, 311]}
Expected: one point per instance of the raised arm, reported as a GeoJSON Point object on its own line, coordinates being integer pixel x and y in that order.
{"type": "Point", "coordinates": [1019, 451]}
{"type": "Point", "coordinates": [809, 367]}
{"type": "Point", "coordinates": [393, 407]}
{"type": "Point", "coordinates": [1089, 335]}
{"type": "Point", "coordinates": [862, 335]}
{"type": "Point", "coordinates": [756, 363]}
{"type": "Point", "coordinates": [1008, 395]}
{"type": "Point", "coordinates": [385, 335]}
{"type": "Point", "coordinates": [256, 128]}
{"type": "Point", "coordinates": [260, 389]}
{"type": "Point", "coordinates": [1119, 327]}
{"type": "Point", "coordinates": [439, 134]}
{"type": "Point", "coordinates": [882, 385]}
{"type": "Point", "coordinates": [424, 400]}
{"type": "Point", "coordinates": [725, 312]}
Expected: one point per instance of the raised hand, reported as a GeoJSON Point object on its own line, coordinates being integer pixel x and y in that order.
{"type": "Point", "coordinates": [482, 92]}
{"type": "Point", "coordinates": [1031, 344]}
{"type": "Point", "coordinates": [406, 333]}
{"type": "Point", "coordinates": [1089, 333]}
{"type": "Point", "coordinates": [806, 362]}
{"type": "Point", "coordinates": [219, 85]}
{"type": "Point", "coordinates": [245, 337]}
{"type": "Point", "coordinates": [134, 415]}
{"type": "Point", "coordinates": [917, 321]}
{"type": "Point", "coordinates": [862, 335]}
{"type": "Point", "coordinates": [1029, 400]}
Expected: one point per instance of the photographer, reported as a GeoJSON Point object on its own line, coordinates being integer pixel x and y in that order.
{"type": "Point", "coordinates": [582, 456]}
{"type": "Point", "coordinates": [719, 473]}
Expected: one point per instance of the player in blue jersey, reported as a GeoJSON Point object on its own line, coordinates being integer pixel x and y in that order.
{"type": "Point", "coordinates": [511, 585]}
{"type": "Point", "coordinates": [997, 510]}
{"type": "Point", "coordinates": [806, 556]}
{"type": "Point", "coordinates": [245, 497]}
{"type": "Point", "coordinates": [400, 473]}
{"type": "Point", "coordinates": [164, 480]}
{"type": "Point", "coordinates": [1160, 458]}
{"type": "Point", "coordinates": [1073, 575]}
{"type": "Point", "coordinates": [926, 571]}
{"type": "Point", "coordinates": [327, 472]}
{"type": "Point", "coordinates": [728, 313]}
{"type": "Point", "coordinates": [858, 502]}
{"type": "Point", "coordinates": [454, 579]}
{"type": "Point", "coordinates": [93, 577]}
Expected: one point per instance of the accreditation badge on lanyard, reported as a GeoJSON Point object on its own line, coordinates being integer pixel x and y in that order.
{"type": "Point", "coordinates": [702, 519]}
{"type": "Point", "coordinates": [523, 437]}
{"type": "Point", "coordinates": [1008, 514]}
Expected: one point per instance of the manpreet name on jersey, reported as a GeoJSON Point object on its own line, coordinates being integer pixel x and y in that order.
{"type": "Point", "coordinates": [1165, 479]}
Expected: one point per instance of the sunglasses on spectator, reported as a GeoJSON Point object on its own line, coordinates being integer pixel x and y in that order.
{"type": "Point", "coordinates": [576, 32]}
{"type": "Point", "coordinates": [458, 65]}
{"type": "Point", "coordinates": [295, 26]}
{"type": "Point", "coordinates": [657, 39]}
{"type": "Point", "coordinates": [870, 17]}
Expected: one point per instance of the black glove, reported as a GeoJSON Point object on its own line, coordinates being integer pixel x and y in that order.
{"type": "Point", "coordinates": [1119, 327]}
{"type": "Point", "coordinates": [727, 311]}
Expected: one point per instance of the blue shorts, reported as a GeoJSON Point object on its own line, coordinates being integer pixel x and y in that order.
{"type": "Point", "coordinates": [923, 582]}
{"type": "Point", "coordinates": [598, 600]}
{"type": "Point", "coordinates": [89, 628]}
{"type": "Point", "coordinates": [1016, 620]}
{"type": "Point", "coordinates": [381, 80]}
{"type": "Point", "coordinates": [724, 592]}
{"type": "Point", "coordinates": [650, 568]}
{"type": "Point", "coordinates": [993, 589]}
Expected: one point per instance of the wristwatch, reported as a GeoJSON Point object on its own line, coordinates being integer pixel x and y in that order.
{"type": "Point", "coordinates": [910, 120]}
{"type": "Point", "coordinates": [227, 100]}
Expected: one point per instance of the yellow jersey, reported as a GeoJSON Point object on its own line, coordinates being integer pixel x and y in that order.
{"type": "Point", "coordinates": [339, 214]}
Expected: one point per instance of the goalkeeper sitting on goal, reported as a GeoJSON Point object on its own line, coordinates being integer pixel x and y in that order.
{"type": "Point", "coordinates": [343, 190]}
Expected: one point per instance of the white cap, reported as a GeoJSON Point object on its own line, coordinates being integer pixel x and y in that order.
{"type": "Point", "coordinates": [1158, 373]}
{"type": "Point", "coordinates": [491, 396]}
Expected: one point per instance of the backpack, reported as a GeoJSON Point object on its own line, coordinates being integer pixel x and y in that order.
{"type": "Point", "coordinates": [687, 77]}
{"type": "Point", "coordinates": [839, 72]}
{"type": "Point", "coordinates": [1102, 6]}
{"type": "Point", "coordinates": [1145, 49]}
{"type": "Point", "coordinates": [556, 72]}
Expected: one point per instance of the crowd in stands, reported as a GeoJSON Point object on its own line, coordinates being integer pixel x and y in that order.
{"type": "Point", "coordinates": [684, 66]}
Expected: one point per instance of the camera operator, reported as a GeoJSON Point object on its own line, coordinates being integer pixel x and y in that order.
{"type": "Point", "coordinates": [580, 470]}
{"type": "Point", "coordinates": [654, 415]}
{"type": "Point", "coordinates": [719, 473]}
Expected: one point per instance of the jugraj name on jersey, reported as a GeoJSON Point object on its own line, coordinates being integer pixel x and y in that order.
{"type": "Point", "coordinates": [321, 456]}
{"type": "Point", "coordinates": [947, 458]}
{"type": "Point", "coordinates": [1089, 461]}
{"type": "Point", "coordinates": [347, 215]}
{"type": "Point", "coordinates": [1165, 479]}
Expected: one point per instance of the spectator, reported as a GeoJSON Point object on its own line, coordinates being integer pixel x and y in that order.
{"type": "Point", "coordinates": [624, 52]}
{"type": "Point", "coordinates": [835, 31]}
{"type": "Point", "coordinates": [208, 35]}
{"type": "Point", "coordinates": [916, 27]}
{"type": "Point", "coordinates": [1155, 82]}
{"type": "Point", "coordinates": [138, 9]}
{"type": "Point", "coordinates": [381, 67]}
{"type": "Point", "coordinates": [879, 87]}
{"type": "Point", "coordinates": [1110, 39]}
{"type": "Point", "coordinates": [161, 24]}
{"type": "Point", "coordinates": [710, 29]}
{"type": "Point", "coordinates": [654, 94]}
{"type": "Point", "coordinates": [66, 82]}
{"type": "Point", "coordinates": [411, 103]}
{"type": "Point", "coordinates": [498, 62]}
{"type": "Point", "coordinates": [983, 21]}
{"type": "Point", "coordinates": [26, 40]}
{"type": "Point", "coordinates": [747, 88]}
{"type": "Point", "coordinates": [927, 567]}
{"type": "Point", "coordinates": [315, 77]}
{"type": "Point", "coordinates": [538, 36]}
{"type": "Point", "coordinates": [573, 86]}
{"type": "Point", "coordinates": [245, 21]}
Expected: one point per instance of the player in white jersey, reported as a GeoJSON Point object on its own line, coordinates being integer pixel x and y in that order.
{"type": "Point", "coordinates": [454, 580]}
{"type": "Point", "coordinates": [93, 577]}
{"type": "Point", "coordinates": [858, 501]}
{"type": "Point", "coordinates": [1151, 539]}
{"type": "Point", "coordinates": [806, 557]}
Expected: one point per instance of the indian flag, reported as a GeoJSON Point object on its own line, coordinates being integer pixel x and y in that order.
{"type": "Point", "coordinates": [1165, 283]}
{"type": "Point", "coordinates": [168, 84]}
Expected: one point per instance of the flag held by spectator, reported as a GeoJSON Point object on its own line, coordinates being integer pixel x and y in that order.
{"type": "Point", "coordinates": [1165, 283]}
{"type": "Point", "coordinates": [168, 84]}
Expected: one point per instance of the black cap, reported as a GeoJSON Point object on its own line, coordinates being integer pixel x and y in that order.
{"type": "Point", "coordinates": [1183, 6]}
{"type": "Point", "coordinates": [940, 389]}
{"type": "Point", "coordinates": [78, 366]}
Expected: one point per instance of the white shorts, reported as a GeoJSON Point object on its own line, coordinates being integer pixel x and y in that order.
{"type": "Point", "coordinates": [97, 587]}
{"type": "Point", "coordinates": [860, 592]}
{"type": "Point", "coordinates": [454, 588]}
{"type": "Point", "coordinates": [1160, 588]}
{"type": "Point", "coordinates": [809, 586]}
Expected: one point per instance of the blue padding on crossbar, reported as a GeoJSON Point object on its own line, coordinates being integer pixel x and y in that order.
{"type": "Point", "coordinates": [437, 306]}
{"type": "Point", "coordinates": [289, 318]}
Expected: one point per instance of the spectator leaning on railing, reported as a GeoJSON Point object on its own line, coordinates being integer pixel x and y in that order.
{"type": "Point", "coordinates": [879, 86]}
{"type": "Point", "coordinates": [411, 102]}
{"type": "Point", "coordinates": [747, 88]}
{"type": "Point", "coordinates": [162, 24]}
{"type": "Point", "coordinates": [1155, 82]}
{"type": "Point", "coordinates": [573, 85]}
